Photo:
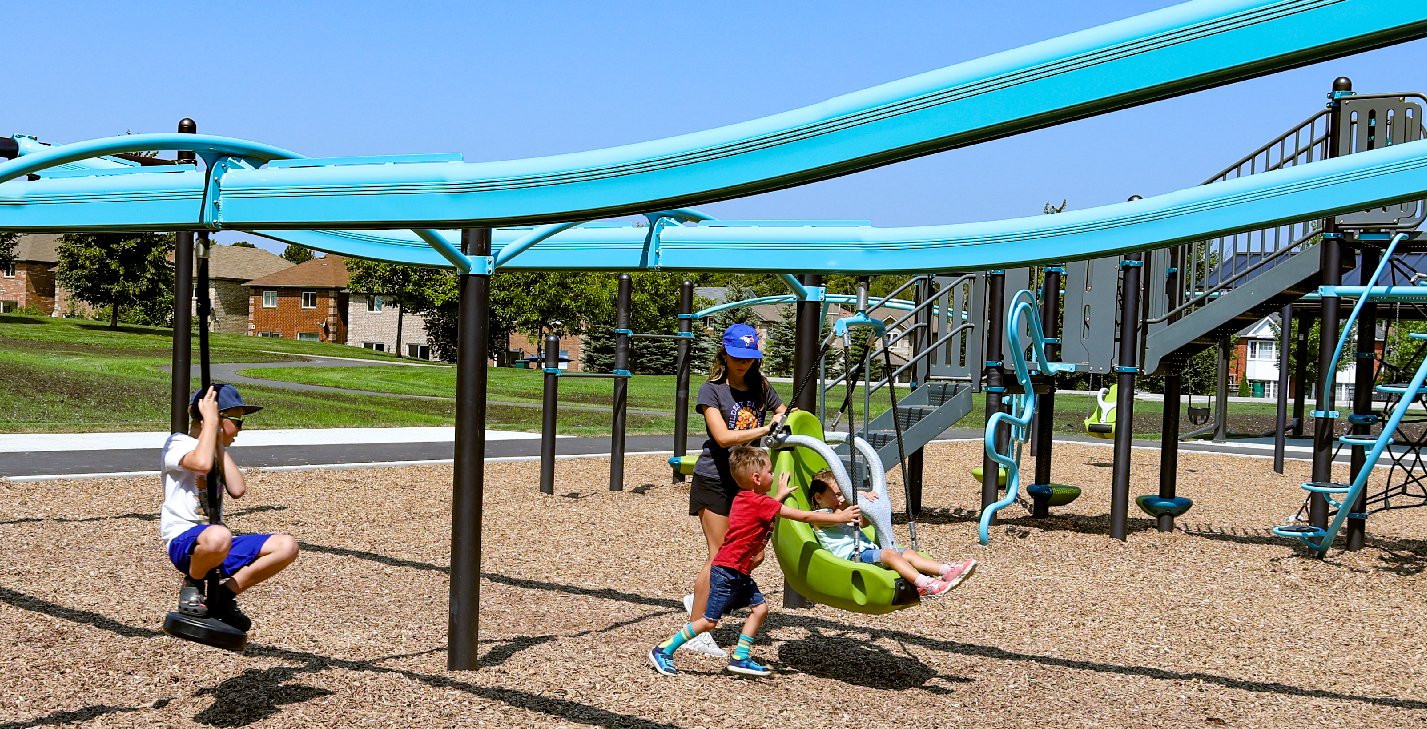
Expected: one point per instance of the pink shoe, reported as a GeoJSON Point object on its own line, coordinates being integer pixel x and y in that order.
{"type": "Point", "coordinates": [933, 589]}
{"type": "Point", "coordinates": [959, 572]}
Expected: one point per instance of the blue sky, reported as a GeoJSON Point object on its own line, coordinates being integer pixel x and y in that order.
{"type": "Point", "coordinates": [504, 80]}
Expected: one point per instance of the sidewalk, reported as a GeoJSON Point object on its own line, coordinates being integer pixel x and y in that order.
{"type": "Point", "coordinates": [47, 442]}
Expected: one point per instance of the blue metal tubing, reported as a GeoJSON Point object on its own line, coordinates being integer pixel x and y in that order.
{"type": "Point", "coordinates": [1378, 293]}
{"type": "Point", "coordinates": [1176, 50]}
{"type": "Point", "coordinates": [512, 250]}
{"type": "Point", "coordinates": [800, 292]}
{"type": "Point", "coordinates": [897, 304]}
{"type": "Point", "coordinates": [1350, 182]}
{"type": "Point", "coordinates": [1357, 309]}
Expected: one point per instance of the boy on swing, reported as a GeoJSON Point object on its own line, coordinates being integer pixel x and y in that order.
{"type": "Point", "coordinates": [194, 545]}
{"type": "Point", "coordinates": [731, 585]}
{"type": "Point", "coordinates": [931, 578]}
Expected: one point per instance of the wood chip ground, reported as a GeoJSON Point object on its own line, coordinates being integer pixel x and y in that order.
{"type": "Point", "coordinates": [1216, 624]}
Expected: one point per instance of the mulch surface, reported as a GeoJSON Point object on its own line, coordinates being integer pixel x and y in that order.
{"type": "Point", "coordinates": [1216, 624]}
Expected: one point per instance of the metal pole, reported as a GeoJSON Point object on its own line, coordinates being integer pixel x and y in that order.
{"type": "Point", "coordinates": [180, 378]}
{"type": "Point", "coordinates": [1300, 376]}
{"type": "Point", "coordinates": [1330, 274]}
{"type": "Point", "coordinates": [621, 384]}
{"type": "Point", "coordinates": [1045, 414]}
{"type": "Point", "coordinates": [807, 323]}
{"type": "Point", "coordinates": [995, 385]}
{"type": "Point", "coordinates": [1280, 433]}
{"type": "Point", "coordinates": [549, 415]}
{"type": "Point", "coordinates": [1363, 377]}
{"type": "Point", "coordinates": [1125, 395]}
{"type": "Point", "coordinates": [683, 368]}
{"type": "Point", "coordinates": [1169, 445]}
{"type": "Point", "coordinates": [1221, 394]}
{"type": "Point", "coordinates": [473, 332]}
{"type": "Point", "coordinates": [921, 339]}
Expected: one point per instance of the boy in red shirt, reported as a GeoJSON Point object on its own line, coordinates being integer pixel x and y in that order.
{"type": "Point", "coordinates": [731, 586]}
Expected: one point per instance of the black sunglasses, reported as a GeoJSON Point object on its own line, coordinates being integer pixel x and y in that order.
{"type": "Point", "coordinates": [237, 422]}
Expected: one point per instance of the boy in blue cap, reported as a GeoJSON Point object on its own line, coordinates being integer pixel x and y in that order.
{"type": "Point", "coordinates": [194, 545]}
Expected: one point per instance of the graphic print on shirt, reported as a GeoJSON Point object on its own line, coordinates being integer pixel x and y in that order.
{"type": "Point", "coordinates": [745, 416]}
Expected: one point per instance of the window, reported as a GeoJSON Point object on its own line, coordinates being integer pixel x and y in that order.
{"type": "Point", "coordinates": [8, 306]}
{"type": "Point", "coordinates": [1263, 349]}
{"type": "Point", "coordinates": [309, 299]}
{"type": "Point", "coordinates": [10, 270]}
{"type": "Point", "coordinates": [374, 303]}
{"type": "Point", "coordinates": [309, 337]}
{"type": "Point", "coordinates": [418, 351]}
{"type": "Point", "coordinates": [270, 335]}
{"type": "Point", "coordinates": [374, 346]}
{"type": "Point", "coordinates": [269, 299]}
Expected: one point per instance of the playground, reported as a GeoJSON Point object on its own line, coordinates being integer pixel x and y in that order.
{"type": "Point", "coordinates": [1216, 624]}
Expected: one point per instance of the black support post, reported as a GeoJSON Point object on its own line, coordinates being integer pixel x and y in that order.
{"type": "Point", "coordinates": [1173, 397]}
{"type": "Point", "coordinates": [549, 417]}
{"type": "Point", "coordinates": [1125, 395]}
{"type": "Point", "coordinates": [1285, 340]}
{"type": "Point", "coordinates": [683, 370]}
{"type": "Point", "coordinates": [1300, 376]}
{"type": "Point", "coordinates": [472, 335]}
{"type": "Point", "coordinates": [920, 372]}
{"type": "Point", "coordinates": [621, 382]}
{"type": "Point", "coordinates": [1221, 393]}
{"type": "Point", "coordinates": [995, 378]}
{"type": "Point", "coordinates": [808, 336]}
{"type": "Point", "coordinates": [1045, 410]}
{"type": "Point", "coordinates": [182, 362]}
{"type": "Point", "coordinates": [1330, 274]}
{"type": "Point", "coordinates": [1363, 376]}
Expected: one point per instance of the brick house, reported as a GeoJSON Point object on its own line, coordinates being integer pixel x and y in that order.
{"type": "Point", "coordinates": [307, 301]}
{"type": "Point", "coordinates": [30, 282]}
{"type": "Point", "coordinates": [230, 268]}
{"type": "Point", "coordinates": [372, 324]}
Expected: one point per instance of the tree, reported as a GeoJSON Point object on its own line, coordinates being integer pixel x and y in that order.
{"type": "Point", "coordinates": [295, 253]}
{"type": "Point", "coordinates": [1312, 378]}
{"type": "Point", "coordinates": [781, 345]}
{"type": "Point", "coordinates": [242, 244]}
{"type": "Point", "coordinates": [119, 270]}
{"type": "Point", "coordinates": [9, 242]}
{"type": "Point", "coordinates": [654, 308]}
{"type": "Point", "coordinates": [401, 284]}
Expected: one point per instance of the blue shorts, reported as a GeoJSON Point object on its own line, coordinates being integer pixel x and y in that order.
{"type": "Point", "coordinates": [730, 590]}
{"type": "Point", "coordinates": [244, 551]}
{"type": "Point", "coordinates": [870, 555]}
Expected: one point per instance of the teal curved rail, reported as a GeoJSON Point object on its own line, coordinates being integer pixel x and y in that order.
{"type": "Point", "coordinates": [1176, 50]}
{"type": "Point", "coordinates": [1023, 313]}
{"type": "Point", "coordinates": [1347, 330]}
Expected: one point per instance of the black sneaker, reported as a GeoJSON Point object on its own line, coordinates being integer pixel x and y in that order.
{"type": "Point", "coordinates": [190, 598]}
{"type": "Point", "coordinates": [225, 608]}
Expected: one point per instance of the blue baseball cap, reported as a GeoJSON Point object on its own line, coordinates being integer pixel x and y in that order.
{"type": "Point", "coordinates": [228, 399]}
{"type": "Point", "coordinates": [741, 340]}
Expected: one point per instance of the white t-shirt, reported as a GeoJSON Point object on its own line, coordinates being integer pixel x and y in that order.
{"type": "Point", "coordinates": [185, 505]}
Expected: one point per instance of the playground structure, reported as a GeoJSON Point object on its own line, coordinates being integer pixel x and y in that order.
{"type": "Point", "coordinates": [249, 186]}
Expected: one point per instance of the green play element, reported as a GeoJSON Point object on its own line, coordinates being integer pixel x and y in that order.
{"type": "Point", "coordinates": [1155, 505]}
{"type": "Point", "coordinates": [1000, 477]}
{"type": "Point", "coordinates": [1060, 494]}
{"type": "Point", "coordinates": [684, 464]}
{"type": "Point", "coordinates": [1101, 423]}
{"type": "Point", "coordinates": [813, 571]}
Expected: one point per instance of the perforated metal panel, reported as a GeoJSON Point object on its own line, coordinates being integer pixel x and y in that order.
{"type": "Point", "coordinates": [1091, 312]}
{"type": "Point", "coordinates": [1372, 123]}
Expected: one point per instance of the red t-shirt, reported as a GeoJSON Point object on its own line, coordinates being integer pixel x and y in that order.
{"type": "Point", "coordinates": [750, 523]}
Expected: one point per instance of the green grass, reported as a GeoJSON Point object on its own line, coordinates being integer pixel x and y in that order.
{"type": "Point", "coordinates": [74, 375]}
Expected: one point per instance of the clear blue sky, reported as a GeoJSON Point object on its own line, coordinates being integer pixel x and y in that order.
{"type": "Point", "coordinates": [503, 80]}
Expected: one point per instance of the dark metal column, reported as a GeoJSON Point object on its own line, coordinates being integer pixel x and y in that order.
{"type": "Point", "coordinates": [621, 382]}
{"type": "Point", "coordinates": [1045, 411]}
{"type": "Point", "coordinates": [1331, 274]}
{"type": "Point", "coordinates": [1173, 398]}
{"type": "Point", "coordinates": [920, 370]}
{"type": "Point", "coordinates": [1363, 377]}
{"type": "Point", "coordinates": [1221, 394]}
{"type": "Point", "coordinates": [549, 417]}
{"type": "Point", "coordinates": [683, 368]}
{"type": "Point", "coordinates": [808, 334]}
{"type": "Point", "coordinates": [182, 363]}
{"type": "Point", "coordinates": [472, 335]}
{"type": "Point", "coordinates": [1280, 433]}
{"type": "Point", "coordinates": [1125, 394]}
{"type": "Point", "coordinates": [995, 378]}
{"type": "Point", "coordinates": [1301, 384]}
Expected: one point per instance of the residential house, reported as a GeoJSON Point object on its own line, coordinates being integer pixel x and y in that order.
{"type": "Point", "coordinates": [230, 268]}
{"type": "Point", "coordinates": [1255, 360]}
{"type": "Point", "coordinates": [29, 283]}
{"type": "Point", "coordinates": [373, 320]}
{"type": "Point", "coordinates": [307, 302]}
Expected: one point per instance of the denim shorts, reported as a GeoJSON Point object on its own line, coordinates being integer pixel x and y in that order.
{"type": "Point", "coordinates": [244, 551]}
{"type": "Point", "coordinates": [870, 555]}
{"type": "Point", "coordinates": [730, 590]}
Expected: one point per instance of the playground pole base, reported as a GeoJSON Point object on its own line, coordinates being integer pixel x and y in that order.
{"type": "Point", "coordinates": [208, 631]}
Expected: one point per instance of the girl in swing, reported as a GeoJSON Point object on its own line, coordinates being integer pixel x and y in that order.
{"type": "Point", "coordinates": [739, 407]}
{"type": "Point", "coordinates": [932, 578]}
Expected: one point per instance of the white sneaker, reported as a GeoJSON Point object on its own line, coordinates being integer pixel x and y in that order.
{"type": "Point", "coordinates": [703, 642]}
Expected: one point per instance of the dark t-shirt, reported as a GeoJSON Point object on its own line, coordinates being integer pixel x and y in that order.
{"type": "Point", "coordinates": [741, 411]}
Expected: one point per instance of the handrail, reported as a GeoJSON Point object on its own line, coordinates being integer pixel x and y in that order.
{"type": "Point", "coordinates": [1357, 308]}
{"type": "Point", "coordinates": [1202, 294]}
{"type": "Point", "coordinates": [930, 302]}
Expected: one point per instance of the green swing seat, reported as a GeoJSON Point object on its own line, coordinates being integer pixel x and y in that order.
{"type": "Point", "coordinates": [1101, 423]}
{"type": "Point", "coordinates": [813, 571]}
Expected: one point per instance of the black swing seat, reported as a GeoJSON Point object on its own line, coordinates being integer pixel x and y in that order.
{"type": "Point", "coordinates": [209, 631]}
{"type": "Point", "coordinates": [1100, 427]}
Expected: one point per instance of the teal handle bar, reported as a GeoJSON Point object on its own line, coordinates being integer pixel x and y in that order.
{"type": "Point", "coordinates": [1357, 309]}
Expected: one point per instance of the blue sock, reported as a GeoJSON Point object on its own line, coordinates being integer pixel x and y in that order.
{"type": "Point", "coordinates": [684, 635]}
{"type": "Point", "coordinates": [745, 645]}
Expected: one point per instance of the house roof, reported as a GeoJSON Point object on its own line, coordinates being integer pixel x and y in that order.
{"type": "Point", "coordinates": [328, 272]}
{"type": "Point", "coordinates": [239, 263]}
{"type": "Point", "coordinates": [37, 248]}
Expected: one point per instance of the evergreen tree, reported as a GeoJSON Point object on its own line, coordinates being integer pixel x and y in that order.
{"type": "Point", "coordinates": [118, 270]}
{"type": "Point", "coordinates": [295, 253]}
{"type": "Point", "coordinates": [242, 244]}
{"type": "Point", "coordinates": [781, 345]}
{"type": "Point", "coordinates": [8, 243]}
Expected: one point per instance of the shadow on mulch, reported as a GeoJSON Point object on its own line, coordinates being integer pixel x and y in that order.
{"type": "Point", "coordinates": [859, 663]}
{"type": "Point", "coordinates": [60, 718]}
{"type": "Point", "coordinates": [146, 516]}
{"type": "Point", "coordinates": [255, 695]}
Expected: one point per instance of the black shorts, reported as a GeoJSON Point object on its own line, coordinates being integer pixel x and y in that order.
{"type": "Point", "coordinates": [712, 494]}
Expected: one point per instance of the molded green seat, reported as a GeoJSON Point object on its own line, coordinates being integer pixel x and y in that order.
{"type": "Point", "coordinates": [1101, 423]}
